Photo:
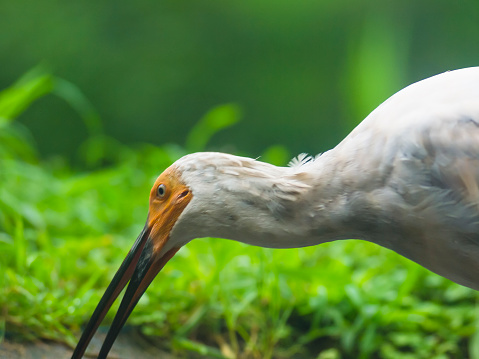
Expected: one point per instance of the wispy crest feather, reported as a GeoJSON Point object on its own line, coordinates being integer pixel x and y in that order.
{"type": "Point", "coordinates": [300, 160]}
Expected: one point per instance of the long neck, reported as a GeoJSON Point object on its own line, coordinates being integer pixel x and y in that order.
{"type": "Point", "coordinates": [311, 204]}
{"type": "Point", "coordinates": [278, 207]}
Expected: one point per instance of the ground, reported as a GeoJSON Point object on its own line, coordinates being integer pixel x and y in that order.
{"type": "Point", "coordinates": [128, 345]}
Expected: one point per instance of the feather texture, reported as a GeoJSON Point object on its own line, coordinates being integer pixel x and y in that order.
{"type": "Point", "coordinates": [406, 178]}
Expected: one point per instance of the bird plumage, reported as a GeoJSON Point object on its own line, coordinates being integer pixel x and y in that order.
{"type": "Point", "coordinates": [406, 178]}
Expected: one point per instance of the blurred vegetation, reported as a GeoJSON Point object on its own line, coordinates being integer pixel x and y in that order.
{"type": "Point", "coordinates": [263, 78]}
{"type": "Point", "coordinates": [64, 231]}
{"type": "Point", "coordinates": [304, 74]}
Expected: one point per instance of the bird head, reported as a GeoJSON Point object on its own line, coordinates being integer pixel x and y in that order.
{"type": "Point", "coordinates": [202, 194]}
{"type": "Point", "coordinates": [151, 251]}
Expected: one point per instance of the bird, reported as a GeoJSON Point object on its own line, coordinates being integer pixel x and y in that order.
{"type": "Point", "coordinates": [406, 178]}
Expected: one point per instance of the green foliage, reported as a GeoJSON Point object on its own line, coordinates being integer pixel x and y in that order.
{"type": "Point", "coordinates": [64, 232]}
{"type": "Point", "coordinates": [215, 120]}
{"type": "Point", "coordinates": [379, 66]}
{"type": "Point", "coordinates": [18, 97]}
{"type": "Point", "coordinates": [303, 74]}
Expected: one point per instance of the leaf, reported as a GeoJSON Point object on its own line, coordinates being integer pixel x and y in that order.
{"type": "Point", "coordinates": [17, 98]}
{"type": "Point", "coordinates": [215, 120]}
{"type": "Point", "coordinates": [72, 95]}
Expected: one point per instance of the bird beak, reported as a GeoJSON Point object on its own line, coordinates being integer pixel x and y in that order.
{"type": "Point", "coordinates": [146, 258]}
{"type": "Point", "coordinates": [140, 266]}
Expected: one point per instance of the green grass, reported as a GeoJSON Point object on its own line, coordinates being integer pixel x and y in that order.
{"type": "Point", "coordinates": [64, 231]}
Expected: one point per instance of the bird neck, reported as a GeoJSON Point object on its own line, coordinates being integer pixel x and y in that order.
{"type": "Point", "coordinates": [268, 206]}
{"type": "Point", "coordinates": [310, 202]}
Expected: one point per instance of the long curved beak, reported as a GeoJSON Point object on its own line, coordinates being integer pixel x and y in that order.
{"type": "Point", "coordinates": [140, 266]}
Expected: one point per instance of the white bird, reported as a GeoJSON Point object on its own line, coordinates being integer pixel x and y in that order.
{"type": "Point", "coordinates": [406, 178]}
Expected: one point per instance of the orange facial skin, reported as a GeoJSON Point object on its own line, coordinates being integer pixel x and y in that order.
{"type": "Point", "coordinates": [166, 207]}
{"type": "Point", "coordinates": [144, 260]}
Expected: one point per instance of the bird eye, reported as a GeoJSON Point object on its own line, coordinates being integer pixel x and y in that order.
{"type": "Point", "coordinates": [161, 190]}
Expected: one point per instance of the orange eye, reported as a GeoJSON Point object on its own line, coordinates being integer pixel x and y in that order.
{"type": "Point", "coordinates": [161, 190]}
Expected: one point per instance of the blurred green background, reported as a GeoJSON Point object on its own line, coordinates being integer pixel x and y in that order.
{"type": "Point", "coordinates": [304, 73]}
{"type": "Point", "coordinates": [99, 97]}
